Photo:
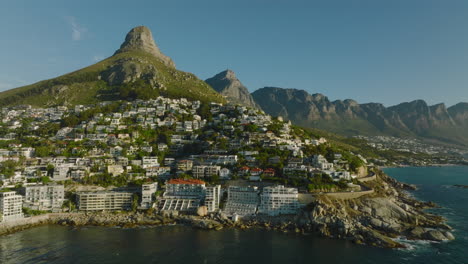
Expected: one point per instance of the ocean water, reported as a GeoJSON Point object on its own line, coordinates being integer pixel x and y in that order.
{"type": "Point", "coordinates": [179, 244]}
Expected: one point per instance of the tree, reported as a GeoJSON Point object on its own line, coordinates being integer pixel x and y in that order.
{"type": "Point", "coordinates": [214, 179]}
{"type": "Point", "coordinates": [68, 204]}
{"type": "Point", "coordinates": [43, 151]}
{"type": "Point", "coordinates": [134, 202]}
{"type": "Point", "coordinates": [50, 170]}
{"type": "Point", "coordinates": [204, 111]}
{"type": "Point", "coordinates": [8, 168]}
{"type": "Point", "coordinates": [70, 121]}
{"type": "Point", "coordinates": [139, 89]}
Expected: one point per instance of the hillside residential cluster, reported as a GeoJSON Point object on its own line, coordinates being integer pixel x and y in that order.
{"type": "Point", "coordinates": [166, 154]}
{"type": "Point", "coordinates": [429, 154]}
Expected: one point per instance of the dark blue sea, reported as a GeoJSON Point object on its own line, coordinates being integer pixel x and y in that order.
{"type": "Point", "coordinates": [179, 244]}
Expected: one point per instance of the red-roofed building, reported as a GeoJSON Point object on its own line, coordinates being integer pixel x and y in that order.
{"type": "Point", "coordinates": [184, 181]}
{"type": "Point", "coordinates": [255, 174]}
{"type": "Point", "coordinates": [269, 172]}
{"type": "Point", "coordinates": [255, 171]}
{"type": "Point", "coordinates": [244, 170]}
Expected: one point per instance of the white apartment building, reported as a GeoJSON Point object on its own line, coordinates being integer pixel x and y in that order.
{"type": "Point", "coordinates": [182, 195]}
{"type": "Point", "coordinates": [11, 206]}
{"type": "Point", "coordinates": [149, 162]}
{"type": "Point", "coordinates": [279, 200]}
{"type": "Point", "coordinates": [43, 197]}
{"type": "Point", "coordinates": [61, 172]}
{"type": "Point", "coordinates": [147, 191]}
{"type": "Point", "coordinates": [241, 201]}
{"type": "Point", "coordinates": [321, 162]}
{"type": "Point", "coordinates": [104, 201]}
{"type": "Point", "coordinates": [213, 197]}
{"type": "Point", "coordinates": [201, 171]}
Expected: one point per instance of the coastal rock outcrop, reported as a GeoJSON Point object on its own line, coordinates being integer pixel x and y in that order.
{"type": "Point", "coordinates": [378, 218]}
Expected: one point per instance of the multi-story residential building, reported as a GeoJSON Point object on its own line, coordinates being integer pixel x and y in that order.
{"type": "Point", "coordinates": [184, 165]}
{"type": "Point", "coordinates": [279, 200]}
{"type": "Point", "coordinates": [201, 171]}
{"type": "Point", "coordinates": [11, 206]}
{"type": "Point", "coordinates": [147, 192]}
{"type": "Point", "coordinates": [298, 171]}
{"type": "Point", "coordinates": [226, 159]}
{"type": "Point", "coordinates": [115, 170]}
{"type": "Point", "coordinates": [241, 201]}
{"type": "Point", "coordinates": [182, 195]}
{"type": "Point", "coordinates": [160, 172]}
{"type": "Point", "coordinates": [198, 171]}
{"type": "Point", "coordinates": [104, 201]}
{"type": "Point", "coordinates": [61, 172]}
{"type": "Point", "coordinates": [43, 197]}
{"type": "Point", "coordinates": [150, 162]}
{"type": "Point", "coordinates": [213, 197]}
{"type": "Point", "coordinates": [321, 162]}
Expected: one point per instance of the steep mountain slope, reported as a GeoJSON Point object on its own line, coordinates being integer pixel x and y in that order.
{"type": "Point", "coordinates": [417, 119]}
{"type": "Point", "coordinates": [137, 70]}
{"type": "Point", "coordinates": [227, 84]}
{"type": "Point", "coordinates": [459, 114]}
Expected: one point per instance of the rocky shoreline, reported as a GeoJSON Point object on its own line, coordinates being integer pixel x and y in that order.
{"type": "Point", "coordinates": [375, 220]}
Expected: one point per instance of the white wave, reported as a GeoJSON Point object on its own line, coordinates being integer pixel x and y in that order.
{"type": "Point", "coordinates": [414, 245]}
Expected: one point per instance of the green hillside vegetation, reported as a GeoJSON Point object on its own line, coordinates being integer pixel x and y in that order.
{"type": "Point", "coordinates": [86, 86]}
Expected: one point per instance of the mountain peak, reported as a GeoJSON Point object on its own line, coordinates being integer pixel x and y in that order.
{"type": "Point", "coordinates": [138, 70]}
{"type": "Point", "coordinates": [227, 84]}
{"type": "Point", "coordinates": [227, 74]}
{"type": "Point", "coordinates": [141, 39]}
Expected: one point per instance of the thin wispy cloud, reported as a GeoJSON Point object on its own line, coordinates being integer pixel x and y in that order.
{"type": "Point", "coordinates": [78, 31]}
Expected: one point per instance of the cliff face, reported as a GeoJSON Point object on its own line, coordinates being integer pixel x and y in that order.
{"type": "Point", "coordinates": [347, 117]}
{"type": "Point", "coordinates": [141, 39]}
{"type": "Point", "coordinates": [227, 84]}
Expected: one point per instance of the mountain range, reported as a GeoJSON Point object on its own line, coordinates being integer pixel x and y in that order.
{"type": "Point", "coordinates": [411, 119]}
{"type": "Point", "coordinates": [139, 70]}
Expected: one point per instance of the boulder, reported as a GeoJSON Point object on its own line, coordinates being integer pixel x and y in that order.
{"type": "Point", "coordinates": [436, 235]}
{"type": "Point", "coordinates": [385, 208]}
{"type": "Point", "coordinates": [202, 211]}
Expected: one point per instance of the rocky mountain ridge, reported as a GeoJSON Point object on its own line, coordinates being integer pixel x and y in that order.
{"type": "Point", "coordinates": [412, 119]}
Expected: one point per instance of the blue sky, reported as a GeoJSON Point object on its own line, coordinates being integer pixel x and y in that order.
{"type": "Point", "coordinates": [368, 50]}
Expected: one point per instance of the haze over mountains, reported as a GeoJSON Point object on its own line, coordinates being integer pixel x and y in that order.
{"type": "Point", "coordinates": [139, 70]}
